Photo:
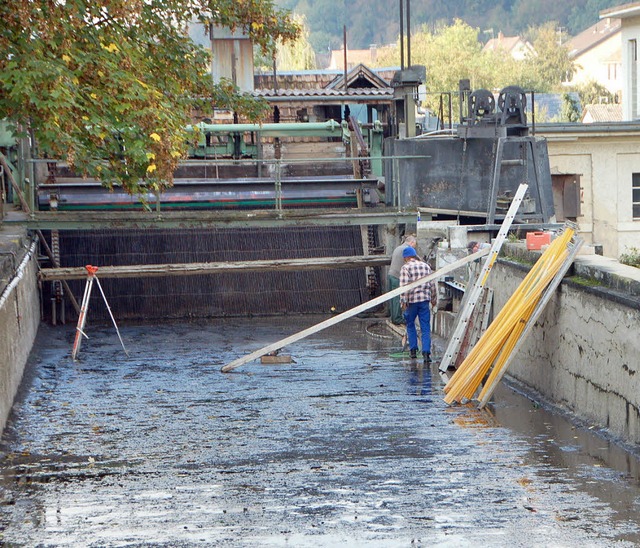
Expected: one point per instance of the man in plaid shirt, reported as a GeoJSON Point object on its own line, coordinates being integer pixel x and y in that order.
{"type": "Point", "coordinates": [416, 302]}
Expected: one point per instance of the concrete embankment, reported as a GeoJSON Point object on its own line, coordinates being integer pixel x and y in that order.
{"type": "Point", "coordinates": [583, 353]}
{"type": "Point", "coordinates": [19, 312]}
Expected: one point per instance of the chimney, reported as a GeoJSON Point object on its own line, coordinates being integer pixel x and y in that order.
{"type": "Point", "coordinates": [373, 52]}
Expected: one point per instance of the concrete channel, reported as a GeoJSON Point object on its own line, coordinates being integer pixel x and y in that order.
{"type": "Point", "coordinates": [348, 446]}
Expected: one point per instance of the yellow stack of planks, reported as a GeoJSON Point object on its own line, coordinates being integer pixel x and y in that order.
{"type": "Point", "coordinates": [493, 352]}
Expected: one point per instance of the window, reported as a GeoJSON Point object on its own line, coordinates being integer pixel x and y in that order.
{"type": "Point", "coordinates": [635, 189]}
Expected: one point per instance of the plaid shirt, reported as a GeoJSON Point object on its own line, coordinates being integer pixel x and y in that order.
{"type": "Point", "coordinates": [410, 272]}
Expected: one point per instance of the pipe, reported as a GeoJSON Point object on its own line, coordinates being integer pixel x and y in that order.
{"type": "Point", "coordinates": [409, 34]}
{"type": "Point", "coordinates": [344, 45]}
{"type": "Point", "coordinates": [302, 127]}
{"type": "Point", "coordinates": [18, 275]}
{"type": "Point", "coordinates": [401, 37]}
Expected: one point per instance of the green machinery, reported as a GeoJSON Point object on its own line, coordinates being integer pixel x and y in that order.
{"type": "Point", "coordinates": [245, 140]}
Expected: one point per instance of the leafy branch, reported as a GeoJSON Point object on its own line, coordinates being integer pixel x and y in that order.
{"type": "Point", "coordinates": [111, 86]}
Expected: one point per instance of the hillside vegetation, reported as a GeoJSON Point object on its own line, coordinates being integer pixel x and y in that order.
{"type": "Point", "coordinates": [377, 21]}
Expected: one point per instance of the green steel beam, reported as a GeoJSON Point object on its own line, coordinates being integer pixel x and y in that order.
{"type": "Point", "coordinates": [204, 219]}
{"type": "Point", "coordinates": [307, 129]}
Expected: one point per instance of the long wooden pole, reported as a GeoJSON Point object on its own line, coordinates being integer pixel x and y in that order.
{"type": "Point", "coordinates": [352, 312]}
{"type": "Point", "coordinates": [193, 269]}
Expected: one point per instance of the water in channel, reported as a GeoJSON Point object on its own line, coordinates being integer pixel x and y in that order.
{"type": "Point", "coordinates": [348, 446]}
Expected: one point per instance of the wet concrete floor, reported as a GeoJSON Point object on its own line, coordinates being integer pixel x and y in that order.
{"type": "Point", "coordinates": [346, 447]}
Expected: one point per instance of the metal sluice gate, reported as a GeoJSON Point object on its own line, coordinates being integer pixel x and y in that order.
{"type": "Point", "coordinates": [227, 294]}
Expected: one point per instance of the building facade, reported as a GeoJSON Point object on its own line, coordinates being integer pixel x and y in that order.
{"type": "Point", "coordinates": [606, 159]}
{"type": "Point", "coordinates": [629, 14]}
{"type": "Point", "coordinates": [596, 54]}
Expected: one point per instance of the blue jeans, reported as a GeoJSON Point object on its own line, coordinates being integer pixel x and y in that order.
{"type": "Point", "coordinates": [422, 311]}
{"type": "Point", "coordinates": [394, 304]}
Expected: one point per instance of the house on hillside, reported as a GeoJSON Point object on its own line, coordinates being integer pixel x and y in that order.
{"type": "Point", "coordinates": [630, 36]}
{"type": "Point", "coordinates": [597, 55]}
{"type": "Point", "coordinates": [516, 47]}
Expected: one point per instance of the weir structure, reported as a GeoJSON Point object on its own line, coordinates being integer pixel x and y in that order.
{"type": "Point", "coordinates": [317, 191]}
{"type": "Point", "coordinates": [350, 216]}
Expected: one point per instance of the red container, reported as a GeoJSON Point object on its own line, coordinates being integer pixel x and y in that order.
{"type": "Point", "coordinates": [535, 240]}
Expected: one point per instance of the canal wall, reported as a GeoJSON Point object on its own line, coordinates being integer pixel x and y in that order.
{"type": "Point", "coordinates": [19, 312]}
{"type": "Point", "coordinates": [583, 354]}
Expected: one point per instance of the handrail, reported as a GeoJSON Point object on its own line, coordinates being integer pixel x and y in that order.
{"type": "Point", "coordinates": [231, 161]}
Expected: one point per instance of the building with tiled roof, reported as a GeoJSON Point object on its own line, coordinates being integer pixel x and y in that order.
{"type": "Point", "coordinates": [516, 47]}
{"type": "Point", "coordinates": [607, 112]}
{"type": "Point", "coordinates": [322, 95]}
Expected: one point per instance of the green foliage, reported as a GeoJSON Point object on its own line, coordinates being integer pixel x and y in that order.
{"type": "Point", "coordinates": [513, 238]}
{"type": "Point", "coordinates": [570, 111]}
{"type": "Point", "coordinates": [631, 257]}
{"type": "Point", "coordinates": [586, 282]}
{"type": "Point", "coordinates": [592, 93]}
{"type": "Point", "coordinates": [291, 55]}
{"type": "Point", "coordinates": [550, 66]}
{"type": "Point", "coordinates": [362, 17]}
{"type": "Point", "coordinates": [455, 51]}
{"type": "Point", "coordinates": [449, 53]}
{"type": "Point", "coordinates": [110, 86]}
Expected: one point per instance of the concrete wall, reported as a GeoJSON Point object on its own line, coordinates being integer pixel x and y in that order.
{"type": "Point", "coordinates": [605, 156]}
{"type": "Point", "coordinates": [583, 353]}
{"type": "Point", "coordinates": [19, 318]}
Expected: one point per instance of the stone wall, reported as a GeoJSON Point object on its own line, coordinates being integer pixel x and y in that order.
{"type": "Point", "coordinates": [584, 352]}
{"type": "Point", "coordinates": [19, 318]}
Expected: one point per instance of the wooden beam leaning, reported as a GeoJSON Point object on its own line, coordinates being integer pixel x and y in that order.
{"type": "Point", "coordinates": [550, 290]}
{"type": "Point", "coordinates": [193, 269]}
{"type": "Point", "coordinates": [352, 312]}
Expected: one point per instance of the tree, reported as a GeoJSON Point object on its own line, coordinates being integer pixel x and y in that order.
{"type": "Point", "coordinates": [593, 93]}
{"type": "Point", "coordinates": [550, 65]}
{"type": "Point", "coordinates": [110, 86]}
{"type": "Point", "coordinates": [291, 55]}
{"type": "Point", "coordinates": [449, 54]}
{"type": "Point", "coordinates": [570, 111]}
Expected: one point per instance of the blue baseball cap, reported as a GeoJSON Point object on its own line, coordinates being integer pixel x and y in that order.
{"type": "Point", "coordinates": [409, 252]}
